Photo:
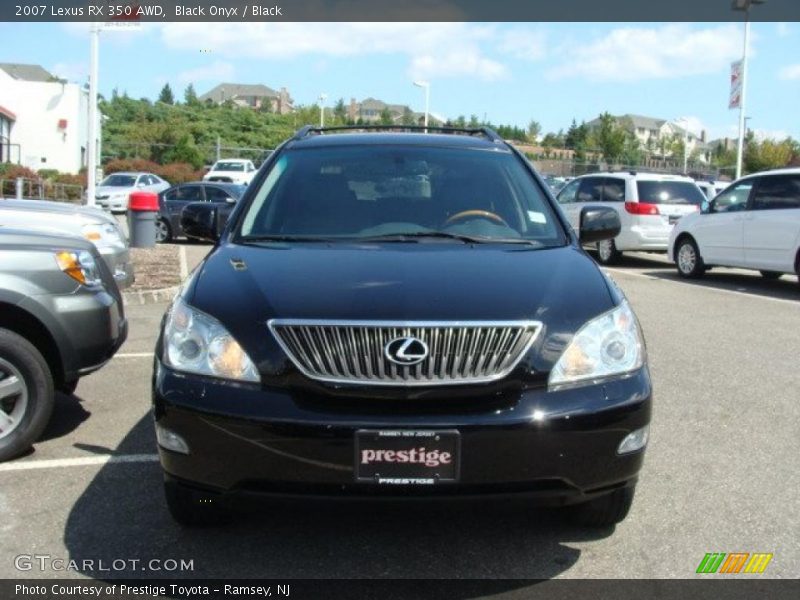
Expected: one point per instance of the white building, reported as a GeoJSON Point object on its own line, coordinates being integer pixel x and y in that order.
{"type": "Point", "coordinates": [43, 120]}
{"type": "Point", "coordinates": [655, 136]}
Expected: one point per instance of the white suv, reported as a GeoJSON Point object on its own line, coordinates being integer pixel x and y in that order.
{"type": "Point", "coordinates": [752, 224]}
{"type": "Point", "coordinates": [648, 204]}
{"type": "Point", "coordinates": [232, 170]}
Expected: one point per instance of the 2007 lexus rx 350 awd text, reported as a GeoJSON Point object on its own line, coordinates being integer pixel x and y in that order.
{"type": "Point", "coordinates": [396, 314]}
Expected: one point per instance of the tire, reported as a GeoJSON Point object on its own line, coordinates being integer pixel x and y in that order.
{"type": "Point", "coordinates": [687, 259]}
{"type": "Point", "coordinates": [607, 253]}
{"type": "Point", "coordinates": [605, 511]}
{"type": "Point", "coordinates": [163, 232]}
{"type": "Point", "coordinates": [26, 394]}
{"type": "Point", "coordinates": [771, 275]}
{"type": "Point", "coordinates": [192, 508]}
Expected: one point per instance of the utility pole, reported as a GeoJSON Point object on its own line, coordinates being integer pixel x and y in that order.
{"type": "Point", "coordinates": [743, 5]}
{"type": "Point", "coordinates": [91, 159]}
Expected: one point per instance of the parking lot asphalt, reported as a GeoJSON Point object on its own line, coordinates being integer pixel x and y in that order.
{"type": "Point", "coordinates": [720, 473]}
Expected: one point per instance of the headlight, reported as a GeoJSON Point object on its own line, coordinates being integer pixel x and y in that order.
{"type": "Point", "coordinates": [80, 266]}
{"type": "Point", "coordinates": [197, 343]}
{"type": "Point", "coordinates": [103, 234]}
{"type": "Point", "coordinates": [607, 346]}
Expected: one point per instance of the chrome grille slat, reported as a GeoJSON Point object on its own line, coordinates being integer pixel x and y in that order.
{"type": "Point", "coordinates": [352, 352]}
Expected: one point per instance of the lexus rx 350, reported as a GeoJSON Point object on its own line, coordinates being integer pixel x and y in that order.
{"type": "Point", "coordinates": [400, 314]}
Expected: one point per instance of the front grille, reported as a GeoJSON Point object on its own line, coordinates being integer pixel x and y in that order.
{"type": "Point", "coordinates": [356, 351]}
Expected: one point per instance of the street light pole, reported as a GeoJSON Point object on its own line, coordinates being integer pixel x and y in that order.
{"type": "Point", "coordinates": [322, 98]}
{"type": "Point", "coordinates": [427, 87]}
{"type": "Point", "coordinates": [743, 5]}
{"type": "Point", "coordinates": [91, 161]}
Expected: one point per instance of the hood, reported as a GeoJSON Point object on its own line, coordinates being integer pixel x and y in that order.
{"type": "Point", "coordinates": [96, 215]}
{"type": "Point", "coordinates": [23, 239]}
{"type": "Point", "coordinates": [108, 190]}
{"type": "Point", "coordinates": [561, 287]}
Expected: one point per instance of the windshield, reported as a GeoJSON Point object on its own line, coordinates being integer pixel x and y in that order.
{"type": "Point", "coordinates": [670, 192]}
{"type": "Point", "coordinates": [228, 166]}
{"type": "Point", "coordinates": [370, 192]}
{"type": "Point", "coordinates": [119, 181]}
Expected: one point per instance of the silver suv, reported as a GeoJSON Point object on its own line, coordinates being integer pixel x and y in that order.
{"type": "Point", "coordinates": [61, 318]}
{"type": "Point", "coordinates": [648, 204]}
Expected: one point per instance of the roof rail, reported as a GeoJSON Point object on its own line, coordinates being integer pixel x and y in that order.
{"type": "Point", "coordinates": [302, 132]}
{"type": "Point", "coordinates": [484, 131]}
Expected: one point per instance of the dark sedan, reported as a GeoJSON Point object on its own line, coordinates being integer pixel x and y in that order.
{"type": "Point", "coordinates": [171, 203]}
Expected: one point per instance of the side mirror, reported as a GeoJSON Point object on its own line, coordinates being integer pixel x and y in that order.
{"type": "Point", "coordinates": [599, 223]}
{"type": "Point", "coordinates": [200, 220]}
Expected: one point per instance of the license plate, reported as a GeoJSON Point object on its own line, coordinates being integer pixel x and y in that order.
{"type": "Point", "coordinates": [406, 457]}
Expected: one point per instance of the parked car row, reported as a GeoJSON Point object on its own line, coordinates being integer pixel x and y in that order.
{"type": "Point", "coordinates": [113, 192]}
{"type": "Point", "coordinates": [753, 223]}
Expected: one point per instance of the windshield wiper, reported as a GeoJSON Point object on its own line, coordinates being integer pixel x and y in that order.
{"type": "Point", "coordinates": [417, 235]}
{"type": "Point", "coordinates": [285, 238]}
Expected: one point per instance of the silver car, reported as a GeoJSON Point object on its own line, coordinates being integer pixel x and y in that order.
{"type": "Point", "coordinates": [90, 223]}
{"type": "Point", "coordinates": [112, 193]}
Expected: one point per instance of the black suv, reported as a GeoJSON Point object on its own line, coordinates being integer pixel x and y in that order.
{"type": "Point", "coordinates": [400, 314]}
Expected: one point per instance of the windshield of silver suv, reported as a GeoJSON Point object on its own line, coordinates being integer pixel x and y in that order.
{"type": "Point", "coordinates": [400, 193]}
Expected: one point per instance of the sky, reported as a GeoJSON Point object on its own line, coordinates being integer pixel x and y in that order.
{"type": "Point", "coordinates": [508, 73]}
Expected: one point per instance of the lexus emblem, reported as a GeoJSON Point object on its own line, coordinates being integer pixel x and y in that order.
{"type": "Point", "coordinates": [406, 351]}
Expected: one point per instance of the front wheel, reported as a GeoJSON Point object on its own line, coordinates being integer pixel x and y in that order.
{"type": "Point", "coordinates": [687, 259]}
{"type": "Point", "coordinates": [26, 394]}
{"type": "Point", "coordinates": [606, 510]}
{"type": "Point", "coordinates": [607, 253]}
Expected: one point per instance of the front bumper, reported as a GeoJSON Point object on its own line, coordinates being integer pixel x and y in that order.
{"type": "Point", "coordinates": [88, 327]}
{"type": "Point", "coordinates": [552, 447]}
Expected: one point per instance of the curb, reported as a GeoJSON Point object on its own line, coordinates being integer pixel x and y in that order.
{"type": "Point", "coordinates": [150, 296]}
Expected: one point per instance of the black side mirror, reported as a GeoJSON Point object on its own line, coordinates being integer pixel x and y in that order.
{"type": "Point", "coordinates": [200, 220]}
{"type": "Point", "coordinates": [599, 223]}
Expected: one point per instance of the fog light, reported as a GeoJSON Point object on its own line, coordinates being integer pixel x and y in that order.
{"type": "Point", "coordinates": [635, 440]}
{"type": "Point", "coordinates": [170, 440]}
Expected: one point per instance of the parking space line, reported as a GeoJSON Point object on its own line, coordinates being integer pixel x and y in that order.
{"type": "Point", "coordinates": [184, 268]}
{"type": "Point", "coordinates": [705, 287]}
{"type": "Point", "coordinates": [134, 355]}
{"type": "Point", "coordinates": [61, 463]}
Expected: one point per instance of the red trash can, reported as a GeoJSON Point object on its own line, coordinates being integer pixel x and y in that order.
{"type": "Point", "coordinates": [142, 215]}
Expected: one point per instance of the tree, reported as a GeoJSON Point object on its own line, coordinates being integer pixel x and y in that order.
{"type": "Point", "coordinates": [166, 95]}
{"type": "Point", "coordinates": [610, 138]}
{"type": "Point", "coordinates": [386, 116]}
{"type": "Point", "coordinates": [769, 154]}
{"type": "Point", "coordinates": [473, 121]}
{"type": "Point", "coordinates": [408, 117]}
{"type": "Point", "coordinates": [339, 111]}
{"type": "Point", "coordinates": [534, 129]}
{"type": "Point", "coordinates": [189, 96]}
